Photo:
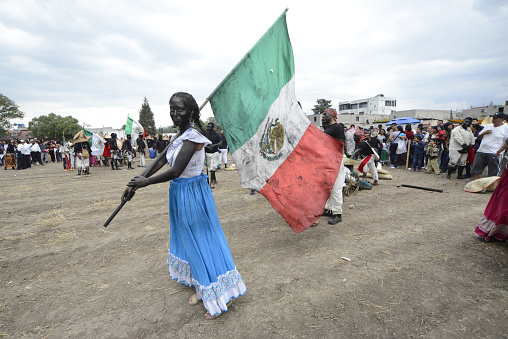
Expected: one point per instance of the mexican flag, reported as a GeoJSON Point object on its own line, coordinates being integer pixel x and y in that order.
{"type": "Point", "coordinates": [134, 128]}
{"type": "Point", "coordinates": [98, 143]}
{"type": "Point", "coordinates": [276, 149]}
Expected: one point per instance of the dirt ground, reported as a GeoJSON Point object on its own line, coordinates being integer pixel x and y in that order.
{"type": "Point", "coordinates": [415, 267]}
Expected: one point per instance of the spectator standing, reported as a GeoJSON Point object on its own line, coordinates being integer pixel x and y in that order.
{"type": "Point", "coordinates": [461, 140]}
{"type": "Point", "coordinates": [350, 141]}
{"type": "Point", "coordinates": [51, 150]}
{"type": "Point", "coordinates": [401, 151]}
{"type": "Point", "coordinates": [394, 140]}
{"type": "Point", "coordinates": [35, 152]}
{"type": "Point", "coordinates": [44, 152]}
{"type": "Point", "coordinates": [432, 150]}
{"type": "Point", "coordinates": [64, 153]}
{"type": "Point", "coordinates": [23, 155]}
{"type": "Point", "coordinates": [58, 155]}
{"type": "Point", "coordinates": [492, 138]}
{"type": "Point", "coordinates": [2, 152]}
{"type": "Point", "coordinates": [419, 151]}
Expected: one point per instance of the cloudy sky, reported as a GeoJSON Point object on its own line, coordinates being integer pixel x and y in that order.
{"type": "Point", "coordinates": [97, 60]}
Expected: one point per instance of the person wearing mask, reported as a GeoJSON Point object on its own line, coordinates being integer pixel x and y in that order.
{"type": "Point", "coordinates": [141, 147]}
{"type": "Point", "coordinates": [461, 140]}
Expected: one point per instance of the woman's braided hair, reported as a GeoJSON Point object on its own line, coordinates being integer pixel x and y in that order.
{"type": "Point", "coordinates": [191, 103]}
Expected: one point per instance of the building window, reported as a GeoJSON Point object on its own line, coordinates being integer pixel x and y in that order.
{"type": "Point", "coordinates": [354, 106]}
{"type": "Point", "coordinates": [357, 118]}
{"type": "Point", "coordinates": [344, 107]}
{"type": "Point", "coordinates": [315, 119]}
{"type": "Point", "coordinates": [362, 105]}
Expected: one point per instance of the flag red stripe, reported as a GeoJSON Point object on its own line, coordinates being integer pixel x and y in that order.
{"type": "Point", "coordinates": [299, 188]}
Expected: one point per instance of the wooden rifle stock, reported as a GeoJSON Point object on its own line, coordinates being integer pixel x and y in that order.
{"type": "Point", "coordinates": [115, 213]}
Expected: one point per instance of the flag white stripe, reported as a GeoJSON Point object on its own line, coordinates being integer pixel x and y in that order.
{"type": "Point", "coordinates": [253, 168]}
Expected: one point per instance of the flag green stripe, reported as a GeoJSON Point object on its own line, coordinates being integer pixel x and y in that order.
{"type": "Point", "coordinates": [242, 101]}
{"type": "Point", "coordinates": [128, 126]}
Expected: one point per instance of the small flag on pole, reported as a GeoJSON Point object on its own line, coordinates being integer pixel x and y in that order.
{"type": "Point", "coordinates": [133, 128]}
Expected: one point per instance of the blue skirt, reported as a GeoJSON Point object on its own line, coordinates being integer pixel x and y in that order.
{"type": "Point", "coordinates": [199, 254]}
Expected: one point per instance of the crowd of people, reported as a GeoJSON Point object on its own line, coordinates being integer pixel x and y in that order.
{"type": "Point", "coordinates": [20, 154]}
{"type": "Point", "coordinates": [445, 148]}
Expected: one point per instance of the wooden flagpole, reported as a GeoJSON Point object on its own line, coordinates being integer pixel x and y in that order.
{"type": "Point", "coordinates": [408, 149]}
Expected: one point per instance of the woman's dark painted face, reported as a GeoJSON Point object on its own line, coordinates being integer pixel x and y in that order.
{"type": "Point", "coordinates": [180, 114]}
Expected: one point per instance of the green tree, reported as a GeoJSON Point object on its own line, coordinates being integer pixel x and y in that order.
{"type": "Point", "coordinates": [146, 118]}
{"type": "Point", "coordinates": [8, 110]}
{"type": "Point", "coordinates": [321, 106]}
{"type": "Point", "coordinates": [53, 126]}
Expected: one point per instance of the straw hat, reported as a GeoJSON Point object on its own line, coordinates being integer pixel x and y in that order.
{"type": "Point", "coordinates": [80, 137]}
{"type": "Point", "coordinates": [486, 121]}
{"type": "Point", "coordinates": [165, 137]}
{"type": "Point", "coordinates": [488, 184]}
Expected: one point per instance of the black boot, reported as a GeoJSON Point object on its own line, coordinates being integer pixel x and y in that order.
{"type": "Point", "coordinates": [449, 175]}
{"type": "Point", "coordinates": [459, 172]}
{"type": "Point", "coordinates": [336, 219]}
{"type": "Point", "coordinates": [468, 171]}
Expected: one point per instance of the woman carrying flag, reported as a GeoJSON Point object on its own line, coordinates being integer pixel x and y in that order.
{"type": "Point", "coordinates": [199, 254]}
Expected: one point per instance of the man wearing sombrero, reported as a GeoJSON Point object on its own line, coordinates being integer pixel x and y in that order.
{"type": "Point", "coordinates": [82, 152]}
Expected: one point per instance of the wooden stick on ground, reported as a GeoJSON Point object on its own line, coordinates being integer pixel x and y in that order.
{"type": "Point", "coordinates": [423, 188]}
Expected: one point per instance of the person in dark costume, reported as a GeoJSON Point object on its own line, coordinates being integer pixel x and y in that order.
{"type": "Point", "coordinates": [115, 151]}
{"type": "Point", "coordinates": [127, 145]}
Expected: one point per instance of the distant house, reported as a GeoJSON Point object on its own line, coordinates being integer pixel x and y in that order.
{"type": "Point", "coordinates": [17, 134]}
{"type": "Point", "coordinates": [484, 111]}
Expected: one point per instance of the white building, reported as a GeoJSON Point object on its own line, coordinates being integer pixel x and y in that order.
{"type": "Point", "coordinates": [120, 133]}
{"type": "Point", "coordinates": [376, 105]}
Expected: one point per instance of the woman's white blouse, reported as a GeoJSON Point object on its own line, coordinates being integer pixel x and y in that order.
{"type": "Point", "coordinates": [195, 165]}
